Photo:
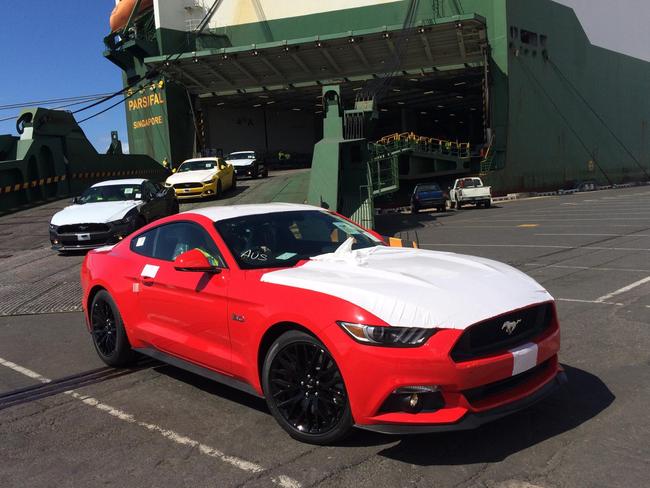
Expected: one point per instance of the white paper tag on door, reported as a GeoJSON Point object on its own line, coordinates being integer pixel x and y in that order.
{"type": "Point", "coordinates": [149, 271]}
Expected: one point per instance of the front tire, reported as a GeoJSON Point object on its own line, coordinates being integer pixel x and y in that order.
{"type": "Point", "coordinates": [107, 330]}
{"type": "Point", "coordinates": [305, 391]}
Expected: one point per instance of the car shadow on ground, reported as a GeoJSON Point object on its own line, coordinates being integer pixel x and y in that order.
{"type": "Point", "coordinates": [213, 387]}
{"type": "Point", "coordinates": [583, 398]}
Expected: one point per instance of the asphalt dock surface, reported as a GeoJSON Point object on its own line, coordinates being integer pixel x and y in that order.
{"type": "Point", "coordinates": [67, 421]}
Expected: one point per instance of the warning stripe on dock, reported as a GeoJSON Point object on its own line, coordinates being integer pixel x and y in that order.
{"type": "Point", "coordinates": [89, 175]}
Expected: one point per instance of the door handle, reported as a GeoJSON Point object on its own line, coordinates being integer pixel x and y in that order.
{"type": "Point", "coordinates": [146, 280]}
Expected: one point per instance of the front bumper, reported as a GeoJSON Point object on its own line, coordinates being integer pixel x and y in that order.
{"type": "Point", "coordinates": [472, 391]}
{"type": "Point", "coordinates": [205, 190]}
{"type": "Point", "coordinates": [245, 170]}
{"type": "Point", "coordinates": [474, 420]}
{"type": "Point", "coordinates": [90, 240]}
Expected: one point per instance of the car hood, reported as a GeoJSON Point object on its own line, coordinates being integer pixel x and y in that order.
{"type": "Point", "coordinates": [192, 176]}
{"type": "Point", "coordinates": [94, 213]}
{"type": "Point", "coordinates": [240, 162]}
{"type": "Point", "coordinates": [415, 287]}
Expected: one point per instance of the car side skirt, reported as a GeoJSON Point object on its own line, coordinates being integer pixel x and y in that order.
{"type": "Point", "coordinates": [196, 369]}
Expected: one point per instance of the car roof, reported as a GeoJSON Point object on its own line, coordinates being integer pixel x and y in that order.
{"type": "Point", "coordinates": [207, 158]}
{"type": "Point", "coordinates": [242, 152]}
{"type": "Point", "coordinates": [217, 214]}
{"type": "Point", "coordinates": [130, 181]}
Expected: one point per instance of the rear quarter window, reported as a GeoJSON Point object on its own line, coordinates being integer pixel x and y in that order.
{"type": "Point", "coordinates": [143, 244]}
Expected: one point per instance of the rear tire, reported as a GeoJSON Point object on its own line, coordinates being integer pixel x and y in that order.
{"type": "Point", "coordinates": [266, 172]}
{"type": "Point", "coordinates": [305, 391]}
{"type": "Point", "coordinates": [442, 209]}
{"type": "Point", "coordinates": [487, 204]}
{"type": "Point", "coordinates": [414, 210]}
{"type": "Point", "coordinates": [107, 330]}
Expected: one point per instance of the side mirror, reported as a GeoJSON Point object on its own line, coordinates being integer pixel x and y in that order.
{"type": "Point", "coordinates": [194, 261]}
{"type": "Point", "coordinates": [173, 170]}
{"type": "Point", "coordinates": [75, 200]}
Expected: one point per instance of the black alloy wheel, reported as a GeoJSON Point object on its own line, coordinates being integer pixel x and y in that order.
{"type": "Point", "coordinates": [305, 390]}
{"type": "Point", "coordinates": [107, 330]}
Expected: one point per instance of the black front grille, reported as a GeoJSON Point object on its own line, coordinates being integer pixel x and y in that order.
{"type": "Point", "coordinates": [83, 228]}
{"type": "Point", "coordinates": [479, 393]}
{"type": "Point", "coordinates": [188, 185]}
{"type": "Point", "coordinates": [503, 332]}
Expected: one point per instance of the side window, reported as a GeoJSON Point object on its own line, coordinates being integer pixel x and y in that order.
{"type": "Point", "coordinates": [149, 189]}
{"type": "Point", "coordinates": [177, 238]}
{"type": "Point", "coordinates": [143, 244]}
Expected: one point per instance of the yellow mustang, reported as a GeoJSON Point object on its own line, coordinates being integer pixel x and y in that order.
{"type": "Point", "coordinates": [202, 178]}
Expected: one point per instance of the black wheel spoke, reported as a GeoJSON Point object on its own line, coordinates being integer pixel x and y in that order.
{"type": "Point", "coordinates": [306, 387]}
{"type": "Point", "coordinates": [104, 330]}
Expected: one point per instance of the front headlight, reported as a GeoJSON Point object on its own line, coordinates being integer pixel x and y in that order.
{"type": "Point", "coordinates": [168, 185]}
{"type": "Point", "coordinates": [126, 220]}
{"type": "Point", "coordinates": [387, 336]}
{"type": "Point", "coordinates": [53, 227]}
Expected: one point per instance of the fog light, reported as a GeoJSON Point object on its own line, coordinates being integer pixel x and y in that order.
{"type": "Point", "coordinates": [413, 400]}
{"type": "Point", "coordinates": [55, 241]}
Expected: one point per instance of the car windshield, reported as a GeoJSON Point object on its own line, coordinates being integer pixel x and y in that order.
{"type": "Point", "coordinates": [431, 187]}
{"type": "Point", "coordinates": [197, 165]}
{"type": "Point", "coordinates": [111, 193]}
{"type": "Point", "coordinates": [241, 155]}
{"type": "Point", "coordinates": [281, 239]}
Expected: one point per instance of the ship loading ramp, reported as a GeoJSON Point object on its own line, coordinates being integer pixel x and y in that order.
{"type": "Point", "coordinates": [430, 79]}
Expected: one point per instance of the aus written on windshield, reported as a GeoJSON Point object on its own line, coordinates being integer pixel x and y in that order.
{"type": "Point", "coordinates": [282, 239]}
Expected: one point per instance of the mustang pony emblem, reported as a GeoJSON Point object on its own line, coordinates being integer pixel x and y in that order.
{"type": "Point", "coordinates": [510, 326]}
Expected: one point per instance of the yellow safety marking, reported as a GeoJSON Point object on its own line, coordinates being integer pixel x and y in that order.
{"type": "Point", "coordinates": [528, 225]}
{"type": "Point", "coordinates": [394, 242]}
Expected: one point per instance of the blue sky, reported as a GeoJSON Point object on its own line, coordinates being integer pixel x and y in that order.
{"type": "Point", "coordinates": [53, 49]}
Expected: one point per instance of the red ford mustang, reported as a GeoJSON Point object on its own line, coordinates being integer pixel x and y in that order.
{"type": "Point", "coordinates": [335, 329]}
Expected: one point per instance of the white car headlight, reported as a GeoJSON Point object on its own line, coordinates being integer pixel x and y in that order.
{"type": "Point", "coordinates": [387, 336]}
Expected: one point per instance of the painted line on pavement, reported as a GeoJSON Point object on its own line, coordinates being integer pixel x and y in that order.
{"type": "Point", "coordinates": [563, 266]}
{"type": "Point", "coordinates": [242, 464]}
{"type": "Point", "coordinates": [588, 301]}
{"type": "Point", "coordinates": [623, 290]}
{"type": "Point", "coordinates": [597, 235]}
{"type": "Point", "coordinates": [543, 246]}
